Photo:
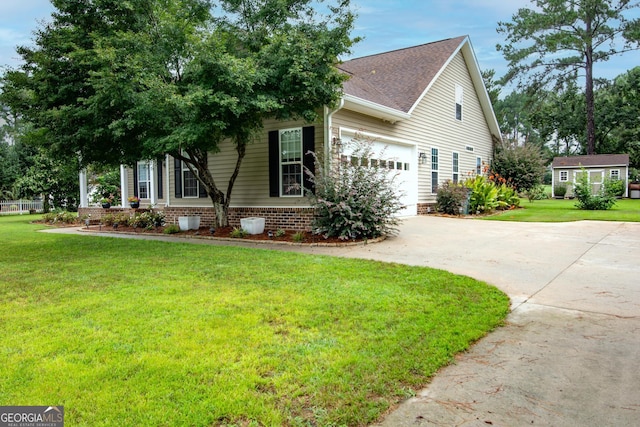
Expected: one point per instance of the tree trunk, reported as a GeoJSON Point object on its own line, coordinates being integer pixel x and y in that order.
{"type": "Point", "coordinates": [591, 126]}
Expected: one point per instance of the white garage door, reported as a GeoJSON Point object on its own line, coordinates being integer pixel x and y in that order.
{"type": "Point", "coordinates": [400, 159]}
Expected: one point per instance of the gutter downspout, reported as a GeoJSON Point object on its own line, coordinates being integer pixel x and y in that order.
{"type": "Point", "coordinates": [328, 140]}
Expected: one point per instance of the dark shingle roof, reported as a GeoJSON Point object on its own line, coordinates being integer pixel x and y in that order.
{"type": "Point", "coordinates": [398, 78]}
{"type": "Point", "coordinates": [593, 160]}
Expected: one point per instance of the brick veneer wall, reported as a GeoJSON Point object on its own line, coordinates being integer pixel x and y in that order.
{"type": "Point", "coordinates": [97, 212]}
{"type": "Point", "coordinates": [286, 218]}
{"type": "Point", "coordinates": [426, 208]}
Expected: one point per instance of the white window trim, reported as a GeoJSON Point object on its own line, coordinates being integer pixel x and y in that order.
{"type": "Point", "coordinates": [184, 169]}
{"type": "Point", "coordinates": [148, 181]}
{"type": "Point", "coordinates": [436, 170]}
{"type": "Point", "coordinates": [455, 169]}
{"type": "Point", "coordinates": [566, 176]}
{"type": "Point", "coordinates": [617, 173]}
{"type": "Point", "coordinates": [281, 163]}
{"type": "Point", "coordinates": [459, 100]}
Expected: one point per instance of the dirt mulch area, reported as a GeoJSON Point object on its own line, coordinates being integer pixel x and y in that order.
{"type": "Point", "coordinates": [225, 233]}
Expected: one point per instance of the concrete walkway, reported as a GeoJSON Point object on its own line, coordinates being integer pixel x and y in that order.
{"type": "Point", "coordinates": [569, 354]}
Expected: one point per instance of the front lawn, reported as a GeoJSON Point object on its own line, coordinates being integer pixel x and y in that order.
{"type": "Point", "coordinates": [553, 210]}
{"type": "Point", "coordinates": [128, 332]}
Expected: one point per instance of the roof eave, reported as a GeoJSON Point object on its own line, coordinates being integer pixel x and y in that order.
{"type": "Point", "coordinates": [372, 109]}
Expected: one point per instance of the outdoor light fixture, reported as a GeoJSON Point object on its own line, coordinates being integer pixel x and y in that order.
{"type": "Point", "coordinates": [422, 158]}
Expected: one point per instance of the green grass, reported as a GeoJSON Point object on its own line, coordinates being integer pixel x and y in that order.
{"type": "Point", "coordinates": [128, 332]}
{"type": "Point", "coordinates": [553, 210]}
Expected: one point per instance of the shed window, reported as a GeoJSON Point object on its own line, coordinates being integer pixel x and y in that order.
{"type": "Point", "coordinates": [564, 176]}
{"type": "Point", "coordinates": [614, 174]}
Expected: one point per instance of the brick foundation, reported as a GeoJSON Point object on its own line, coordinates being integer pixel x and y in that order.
{"type": "Point", "coordinates": [285, 218]}
{"type": "Point", "coordinates": [426, 208]}
{"type": "Point", "coordinates": [97, 212]}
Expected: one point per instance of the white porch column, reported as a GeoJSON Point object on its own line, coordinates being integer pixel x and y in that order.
{"type": "Point", "coordinates": [124, 186]}
{"type": "Point", "coordinates": [153, 191]}
{"type": "Point", "coordinates": [84, 197]}
{"type": "Point", "coordinates": [167, 187]}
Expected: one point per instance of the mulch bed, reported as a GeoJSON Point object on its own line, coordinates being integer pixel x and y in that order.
{"type": "Point", "coordinates": [225, 233]}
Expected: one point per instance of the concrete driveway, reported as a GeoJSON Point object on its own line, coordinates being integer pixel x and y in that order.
{"type": "Point", "coordinates": [569, 354]}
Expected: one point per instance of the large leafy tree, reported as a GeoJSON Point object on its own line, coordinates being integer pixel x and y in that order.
{"type": "Point", "coordinates": [561, 39]}
{"type": "Point", "coordinates": [618, 114]}
{"type": "Point", "coordinates": [114, 82]}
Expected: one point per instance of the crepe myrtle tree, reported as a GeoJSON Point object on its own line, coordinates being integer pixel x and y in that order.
{"type": "Point", "coordinates": [114, 82]}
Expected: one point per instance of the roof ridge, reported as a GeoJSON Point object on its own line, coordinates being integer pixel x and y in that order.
{"type": "Point", "coordinates": [405, 48]}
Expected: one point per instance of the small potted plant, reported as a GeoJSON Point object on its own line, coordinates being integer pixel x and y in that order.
{"type": "Point", "coordinates": [134, 202]}
{"type": "Point", "coordinates": [106, 202]}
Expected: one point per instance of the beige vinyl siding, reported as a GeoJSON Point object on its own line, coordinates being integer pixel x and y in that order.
{"type": "Point", "coordinates": [251, 188]}
{"type": "Point", "coordinates": [433, 124]}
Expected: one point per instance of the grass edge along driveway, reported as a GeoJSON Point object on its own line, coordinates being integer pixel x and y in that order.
{"type": "Point", "coordinates": [129, 332]}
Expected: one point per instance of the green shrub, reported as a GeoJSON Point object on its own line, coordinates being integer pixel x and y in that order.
{"type": "Point", "coordinates": [586, 199]}
{"type": "Point", "coordinates": [536, 193]}
{"type": "Point", "coordinates": [171, 229]}
{"type": "Point", "coordinates": [451, 198]}
{"type": "Point", "coordinates": [356, 199]}
{"type": "Point", "coordinates": [147, 219]}
{"type": "Point", "coordinates": [507, 197]}
{"type": "Point", "coordinates": [484, 195]}
{"type": "Point", "coordinates": [63, 217]}
{"type": "Point", "coordinates": [239, 233]}
{"type": "Point", "coordinates": [522, 166]}
{"type": "Point", "coordinates": [299, 237]}
{"type": "Point", "coordinates": [614, 187]}
{"type": "Point", "coordinates": [560, 190]}
{"type": "Point", "coordinates": [280, 232]}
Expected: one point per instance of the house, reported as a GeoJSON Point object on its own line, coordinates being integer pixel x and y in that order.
{"type": "Point", "coordinates": [426, 106]}
{"type": "Point", "coordinates": [599, 166]}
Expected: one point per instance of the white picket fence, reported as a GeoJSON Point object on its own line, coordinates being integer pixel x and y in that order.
{"type": "Point", "coordinates": [20, 206]}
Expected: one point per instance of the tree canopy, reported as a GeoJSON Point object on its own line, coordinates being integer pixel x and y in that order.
{"type": "Point", "coordinates": [115, 82]}
{"type": "Point", "coordinates": [559, 40]}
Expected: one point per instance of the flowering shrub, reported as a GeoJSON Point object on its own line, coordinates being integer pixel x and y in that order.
{"type": "Point", "coordinates": [355, 199]}
{"type": "Point", "coordinates": [134, 199]}
{"type": "Point", "coordinates": [148, 220]}
{"type": "Point", "coordinates": [60, 217]}
{"type": "Point", "coordinates": [451, 197]}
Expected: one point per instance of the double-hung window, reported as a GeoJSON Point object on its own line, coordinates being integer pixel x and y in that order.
{"type": "Point", "coordinates": [434, 170]}
{"type": "Point", "coordinates": [564, 176]}
{"type": "Point", "coordinates": [291, 167]}
{"type": "Point", "coordinates": [190, 183]}
{"type": "Point", "coordinates": [455, 167]}
{"type": "Point", "coordinates": [144, 180]}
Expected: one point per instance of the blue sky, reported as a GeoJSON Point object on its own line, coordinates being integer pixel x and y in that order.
{"type": "Point", "coordinates": [384, 24]}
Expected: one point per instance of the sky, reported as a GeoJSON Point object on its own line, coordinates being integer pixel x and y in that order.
{"type": "Point", "coordinates": [384, 24]}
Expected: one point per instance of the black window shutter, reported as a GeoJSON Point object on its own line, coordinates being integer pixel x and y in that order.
{"type": "Point", "coordinates": [159, 163]}
{"type": "Point", "coordinates": [202, 192]}
{"type": "Point", "coordinates": [135, 179]}
{"type": "Point", "coordinates": [274, 164]}
{"type": "Point", "coordinates": [308, 144]}
{"type": "Point", "coordinates": [177, 166]}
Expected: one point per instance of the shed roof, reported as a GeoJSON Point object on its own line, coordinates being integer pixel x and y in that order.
{"type": "Point", "coordinates": [590, 161]}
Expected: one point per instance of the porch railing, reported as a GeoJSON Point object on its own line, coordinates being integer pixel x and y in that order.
{"type": "Point", "coordinates": [20, 206]}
